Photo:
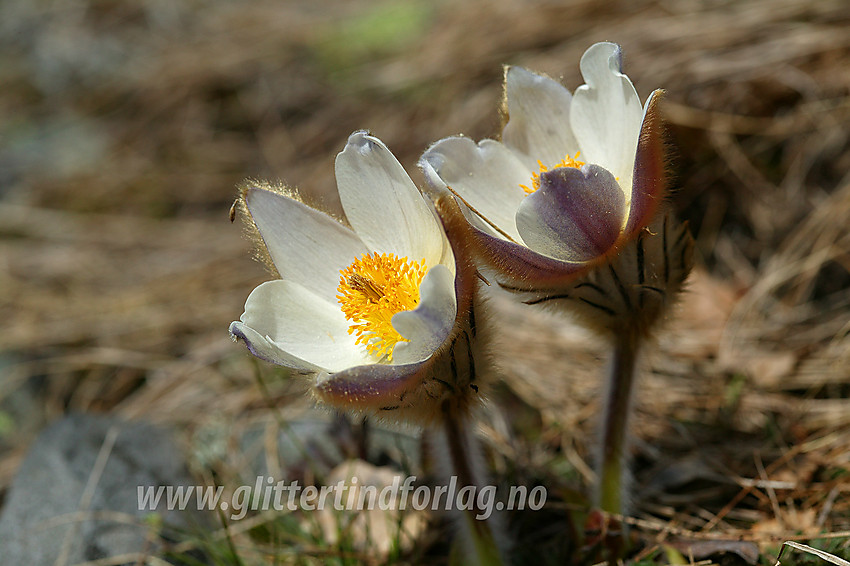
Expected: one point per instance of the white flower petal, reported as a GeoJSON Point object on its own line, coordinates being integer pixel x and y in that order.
{"type": "Point", "coordinates": [487, 175]}
{"type": "Point", "coordinates": [538, 125]}
{"type": "Point", "coordinates": [307, 246]}
{"type": "Point", "coordinates": [383, 205]}
{"type": "Point", "coordinates": [436, 187]}
{"type": "Point", "coordinates": [606, 114]}
{"type": "Point", "coordinates": [265, 349]}
{"type": "Point", "coordinates": [428, 325]}
{"type": "Point", "coordinates": [301, 324]}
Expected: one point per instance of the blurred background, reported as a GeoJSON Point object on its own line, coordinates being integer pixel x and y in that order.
{"type": "Point", "coordinates": [126, 126]}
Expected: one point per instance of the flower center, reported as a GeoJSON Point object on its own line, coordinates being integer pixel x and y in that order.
{"type": "Point", "coordinates": [567, 161]}
{"type": "Point", "coordinates": [373, 289]}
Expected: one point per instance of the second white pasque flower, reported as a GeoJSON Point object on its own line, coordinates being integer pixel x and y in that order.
{"type": "Point", "coordinates": [567, 206]}
{"type": "Point", "coordinates": [562, 179]}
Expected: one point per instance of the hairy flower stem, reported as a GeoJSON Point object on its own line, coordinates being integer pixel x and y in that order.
{"type": "Point", "coordinates": [463, 456]}
{"type": "Point", "coordinates": [613, 462]}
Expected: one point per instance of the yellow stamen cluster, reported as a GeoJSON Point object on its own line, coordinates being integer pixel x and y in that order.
{"type": "Point", "coordinates": [373, 289]}
{"type": "Point", "coordinates": [567, 161]}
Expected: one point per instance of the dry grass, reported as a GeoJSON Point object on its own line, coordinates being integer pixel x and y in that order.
{"type": "Point", "coordinates": [128, 125]}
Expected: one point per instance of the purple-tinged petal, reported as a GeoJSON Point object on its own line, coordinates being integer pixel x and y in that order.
{"type": "Point", "coordinates": [266, 349]}
{"type": "Point", "coordinates": [293, 319]}
{"type": "Point", "coordinates": [372, 387]}
{"type": "Point", "coordinates": [427, 326]}
{"type": "Point", "coordinates": [649, 182]}
{"type": "Point", "coordinates": [416, 392]}
{"type": "Point", "coordinates": [575, 215]}
{"type": "Point", "coordinates": [514, 266]}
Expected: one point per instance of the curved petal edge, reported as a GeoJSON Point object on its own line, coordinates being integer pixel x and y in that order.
{"type": "Point", "coordinates": [649, 184]}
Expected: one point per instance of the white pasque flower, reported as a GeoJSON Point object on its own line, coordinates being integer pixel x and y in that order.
{"type": "Point", "coordinates": [567, 180]}
{"type": "Point", "coordinates": [567, 209]}
{"type": "Point", "coordinates": [379, 290]}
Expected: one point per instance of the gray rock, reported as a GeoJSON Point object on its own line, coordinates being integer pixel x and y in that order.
{"type": "Point", "coordinates": [46, 515]}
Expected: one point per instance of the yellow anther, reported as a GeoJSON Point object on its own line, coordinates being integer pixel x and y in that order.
{"type": "Point", "coordinates": [567, 161]}
{"type": "Point", "coordinates": [374, 288]}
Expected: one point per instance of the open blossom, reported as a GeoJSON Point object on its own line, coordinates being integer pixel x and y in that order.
{"type": "Point", "coordinates": [373, 308]}
{"type": "Point", "coordinates": [567, 206]}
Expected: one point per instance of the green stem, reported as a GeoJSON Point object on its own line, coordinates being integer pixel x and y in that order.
{"type": "Point", "coordinates": [463, 449]}
{"type": "Point", "coordinates": [613, 466]}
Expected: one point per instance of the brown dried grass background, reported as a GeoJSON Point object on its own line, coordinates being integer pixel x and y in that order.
{"type": "Point", "coordinates": [126, 127]}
